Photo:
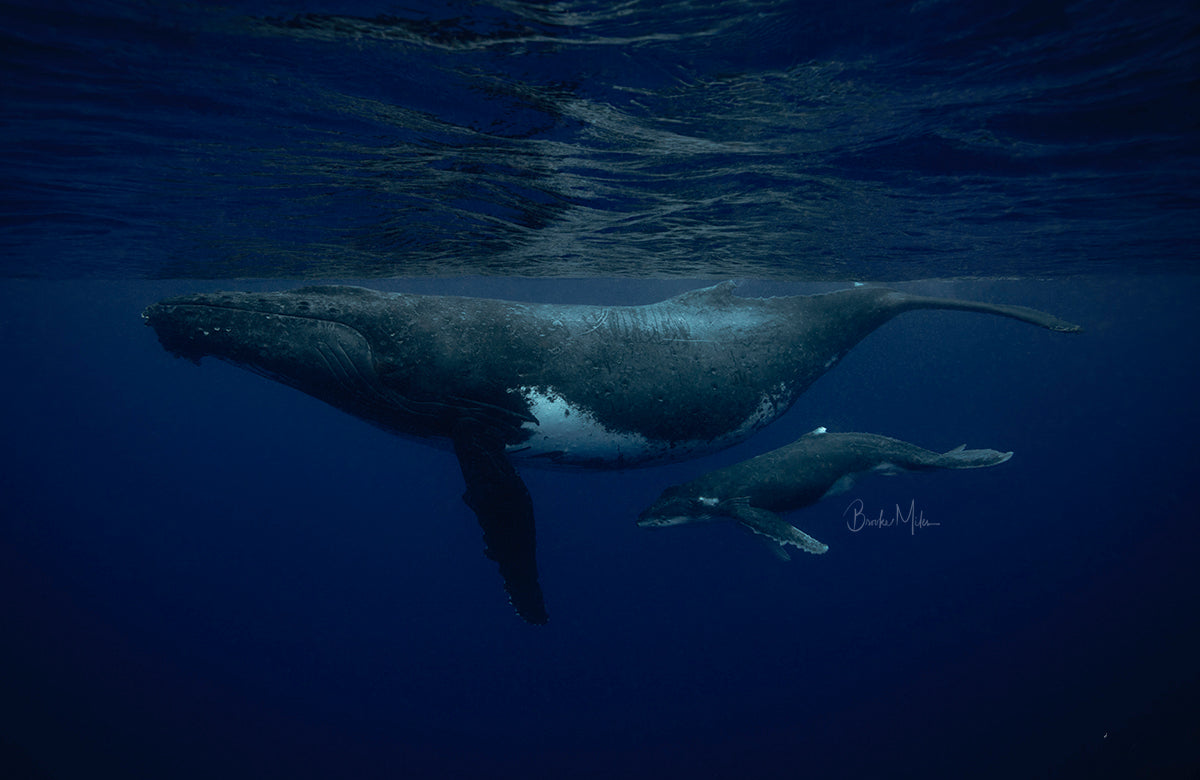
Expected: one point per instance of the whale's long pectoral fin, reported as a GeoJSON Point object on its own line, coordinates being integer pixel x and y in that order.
{"type": "Point", "coordinates": [501, 501]}
{"type": "Point", "coordinates": [772, 526]}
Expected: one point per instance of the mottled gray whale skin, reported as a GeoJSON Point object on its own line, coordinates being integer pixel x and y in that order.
{"type": "Point", "coordinates": [563, 385]}
{"type": "Point", "coordinates": [756, 491]}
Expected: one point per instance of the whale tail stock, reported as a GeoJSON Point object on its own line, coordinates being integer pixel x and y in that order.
{"type": "Point", "coordinates": [902, 301]}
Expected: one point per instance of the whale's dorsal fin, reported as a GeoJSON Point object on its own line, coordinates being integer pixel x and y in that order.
{"type": "Point", "coordinates": [706, 296]}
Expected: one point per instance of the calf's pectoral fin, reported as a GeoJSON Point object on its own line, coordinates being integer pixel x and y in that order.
{"type": "Point", "coordinates": [772, 526]}
{"type": "Point", "coordinates": [502, 504]}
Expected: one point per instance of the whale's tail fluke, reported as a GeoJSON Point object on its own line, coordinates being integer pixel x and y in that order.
{"type": "Point", "coordinates": [903, 301]}
{"type": "Point", "coordinates": [962, 458]}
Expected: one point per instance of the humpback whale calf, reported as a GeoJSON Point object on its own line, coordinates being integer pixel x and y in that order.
{"type": "Point", "coordinates": [797, 475]}
{"type": "Point", "coordinates": [560, 385]}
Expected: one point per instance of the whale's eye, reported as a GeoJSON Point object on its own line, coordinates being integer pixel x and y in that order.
{"type": "Point", "coordinates": [708, 502]}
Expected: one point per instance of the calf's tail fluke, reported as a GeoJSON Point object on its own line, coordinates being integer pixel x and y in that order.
{"type": "Point", "coordinates": [962, 458]}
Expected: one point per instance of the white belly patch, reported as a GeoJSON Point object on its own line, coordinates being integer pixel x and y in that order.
{"type": "Point", "coordinates": [569, 435]}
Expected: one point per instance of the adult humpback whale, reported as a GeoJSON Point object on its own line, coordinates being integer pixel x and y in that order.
{"type": "Point", "coordinates": [566, 385]}
{"type": "Point", "coordinates": [816, 465]}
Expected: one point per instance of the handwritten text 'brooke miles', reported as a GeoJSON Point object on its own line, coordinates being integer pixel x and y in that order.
{"type": "Point", "coordinates": [856, 519]}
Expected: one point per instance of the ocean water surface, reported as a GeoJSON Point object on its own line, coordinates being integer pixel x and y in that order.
{"type": "Point", "coordinates": [207, 574]}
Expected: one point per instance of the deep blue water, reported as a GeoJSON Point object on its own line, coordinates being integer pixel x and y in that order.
{"type": "Point", "coordinates": [206, 574]}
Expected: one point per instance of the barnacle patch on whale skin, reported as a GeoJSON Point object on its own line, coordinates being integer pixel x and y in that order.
{"type": "Point", "coordinates": [568, 434]}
